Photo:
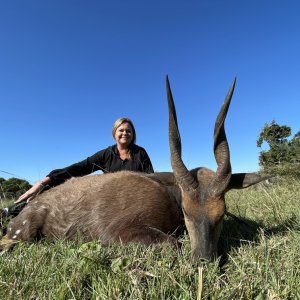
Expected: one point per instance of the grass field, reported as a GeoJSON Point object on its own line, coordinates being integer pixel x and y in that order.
{"type": "Point", "coordinates": [260, 259]}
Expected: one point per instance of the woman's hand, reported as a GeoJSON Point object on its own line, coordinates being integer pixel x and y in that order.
{"type": "Point", "coordinates": [34, 190]}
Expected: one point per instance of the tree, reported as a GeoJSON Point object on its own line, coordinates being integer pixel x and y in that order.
{"type": "Point", "coordinates": [295, 148]}
{"type": "Point", "coordinates": [283, 155]}
{"type": "Point", "coordinates": [13, 187]}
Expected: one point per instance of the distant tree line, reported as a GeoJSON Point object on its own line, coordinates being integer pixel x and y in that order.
{"type": "Point", "coordinates": [12, 188]}
{"type": "Point", "coordinates": [283, 155]}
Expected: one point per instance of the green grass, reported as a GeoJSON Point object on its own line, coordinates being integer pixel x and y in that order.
{"type": "Point", "coordinates": [261, 260]}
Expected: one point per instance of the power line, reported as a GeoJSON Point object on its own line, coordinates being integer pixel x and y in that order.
{"type": "Point", "coordinates": [12, 174]}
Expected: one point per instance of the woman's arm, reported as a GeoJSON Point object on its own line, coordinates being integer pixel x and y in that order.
{"type": "Point", "coordinates": [34, 190]}
{"type": "Point", "coordinates": [56, 177]}
{"type": "Point", "coordinates": [84, 167]}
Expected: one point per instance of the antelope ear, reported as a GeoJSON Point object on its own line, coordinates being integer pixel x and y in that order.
{"type": "Point", "coordinates": [243, 180]}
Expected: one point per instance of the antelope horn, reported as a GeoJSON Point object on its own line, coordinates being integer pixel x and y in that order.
{"type": "Point", "coordinates": [221, 148]}
{"type": "Point", "coordinates": [182, 174]}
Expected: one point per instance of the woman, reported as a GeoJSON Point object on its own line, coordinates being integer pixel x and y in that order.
{"type": "Point", "coordinates": [124, 155]}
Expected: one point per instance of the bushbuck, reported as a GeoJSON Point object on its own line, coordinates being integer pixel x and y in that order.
{"type": "Point", "coordinates": [135, 207]}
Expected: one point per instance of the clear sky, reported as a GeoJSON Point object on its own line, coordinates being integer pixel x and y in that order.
{"type": "Point", "coordinates": [69, 69]}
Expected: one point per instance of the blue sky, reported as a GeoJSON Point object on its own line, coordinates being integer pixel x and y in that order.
{"type": "Point", "coordinates": [69, 69]}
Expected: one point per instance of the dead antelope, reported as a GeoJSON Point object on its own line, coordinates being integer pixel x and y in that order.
{"type": "Point", "coordinates": [136, 207]}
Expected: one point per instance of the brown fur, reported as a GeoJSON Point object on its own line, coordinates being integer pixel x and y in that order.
{"type": "Point", "coordinates": [122, 206]}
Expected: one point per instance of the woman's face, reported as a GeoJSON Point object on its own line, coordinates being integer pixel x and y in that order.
{"type": "Point", "coordinates": [123, 135]}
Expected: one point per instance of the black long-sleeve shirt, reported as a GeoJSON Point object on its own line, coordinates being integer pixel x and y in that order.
{"type": "Point", "coordinates": [107, 160]}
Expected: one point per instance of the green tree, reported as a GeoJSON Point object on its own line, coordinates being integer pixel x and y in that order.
{"type": "Point", "coordinates": [295, 148]}
{"type": "Point", "coordinates": [13, 187]}
{"type": "Point", "coordinates": [283, 154]}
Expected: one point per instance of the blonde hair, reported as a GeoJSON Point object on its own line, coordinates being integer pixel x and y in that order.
{"type": "Point", "coordinates": [119, 122]}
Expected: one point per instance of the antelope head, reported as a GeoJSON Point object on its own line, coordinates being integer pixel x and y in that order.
{"type": "Point", "coordinates": [203, 191]}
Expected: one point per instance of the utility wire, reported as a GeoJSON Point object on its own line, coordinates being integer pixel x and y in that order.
{"type": "Point", "coordinates": [12, 174]}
